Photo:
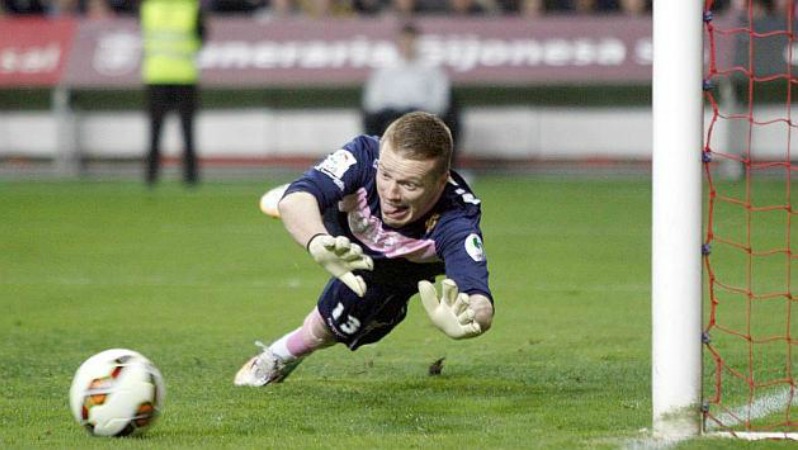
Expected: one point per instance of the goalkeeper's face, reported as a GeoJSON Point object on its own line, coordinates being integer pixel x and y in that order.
{"type": "Point", "coordinates": [408, 188]}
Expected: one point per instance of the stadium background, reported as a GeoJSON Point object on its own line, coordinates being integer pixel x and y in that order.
{"type": "Point", "coordinates": [550, 89]}
{"type": "Point", "coordinates": [541, 84]}
{"type": "Point", "coordinates": [539, 89]}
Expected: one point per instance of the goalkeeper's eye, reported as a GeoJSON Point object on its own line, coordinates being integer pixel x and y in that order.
{"type": "Point", "coordinates": [383, 174]}
{"type": "Point", "coordinates": [410, 186]}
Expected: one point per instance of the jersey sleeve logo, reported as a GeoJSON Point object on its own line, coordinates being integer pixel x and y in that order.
{"type": "Point", "coordinates": [473, 246]}
{"type": "Point", "coordinates": [336, 165]}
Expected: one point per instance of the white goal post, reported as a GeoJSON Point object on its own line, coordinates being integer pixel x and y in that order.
{"type": "Point", "coordinates": [676, 218]}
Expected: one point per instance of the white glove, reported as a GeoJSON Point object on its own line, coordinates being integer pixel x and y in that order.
{"type": "Point", "coordinates": [340, 257]}
{"type": "Point", "coordinates": [452, 314]}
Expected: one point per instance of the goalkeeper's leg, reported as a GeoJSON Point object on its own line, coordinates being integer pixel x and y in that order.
{"type": "Point", "coordinates": [311, 336]}
{"type": "Point", "coordinates": [280, 358]}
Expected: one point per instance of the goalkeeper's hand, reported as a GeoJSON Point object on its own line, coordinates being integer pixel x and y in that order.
{"type": "Point", "coordinates": [452, 313]}
{"type": "Point", "coordinates": [340, 257]}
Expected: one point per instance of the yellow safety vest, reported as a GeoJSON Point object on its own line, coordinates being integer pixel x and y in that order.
{"type": "Point", "coordinates": [169, 32]}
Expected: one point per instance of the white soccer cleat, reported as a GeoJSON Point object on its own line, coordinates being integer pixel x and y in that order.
{"type": "Point", "coordinates": [263, 369]}
{"type": "Point", "coordinates": [269, 201]}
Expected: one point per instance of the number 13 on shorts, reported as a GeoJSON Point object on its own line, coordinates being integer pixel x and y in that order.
{"type": "Point", "coordinates": [348, 326]}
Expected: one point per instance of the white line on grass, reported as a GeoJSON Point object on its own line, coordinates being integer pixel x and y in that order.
{"type": "Point", "coordinates": [651, 444]}
{"type": "Point", "coordinates": [761, 407]}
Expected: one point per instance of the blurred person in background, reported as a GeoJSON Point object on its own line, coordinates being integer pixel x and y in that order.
{"type": "Point", "coordinates": [408, 85]}
{"type": "Point", "coordinates": [464, 8]}
{"type": "Point", "coordinates": [277, 9]}
{"type": "Point", "coordinates": [764, 8]}
{"type": "Point", "coordinates": [787, 7]}
{"type": "Point", "coordinates": [583, 7]}
{"type": "Point", "coordinates": [319, 9]}
{"type": "Point", "coordinates": [594, 6]}
{"type": "Point", "coordinates": [768, 15]}
{"type": "Point", "coordinates": [99, 9]}
{"type": "Point", "coordinates": [124, 6]}
{"type": "Point", "coordinates": [368, 7]}
{"type": "Point", "coordinates": [25, 7]}
{"type": "Point", "coordinates": [63, 8]}
{"type": "Point", "coordinates": [532, 8]}
{"type": "Point", "coordinates": [404, 9]}
{"type": "Point", "coordinates": [173, 32]}
{"type": "Point", "coordinates": [635, 7]}
{"type": "Point", "coordinates": [233, 6]}
{"type": "Point", "coordinates": [558, 6]}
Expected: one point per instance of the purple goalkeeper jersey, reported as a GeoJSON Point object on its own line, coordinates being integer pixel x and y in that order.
{"type": "Point", "coordinates": [447, 240]}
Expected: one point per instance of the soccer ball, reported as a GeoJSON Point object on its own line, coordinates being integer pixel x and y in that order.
{"type": "Point", "coordinates": [117, 392]}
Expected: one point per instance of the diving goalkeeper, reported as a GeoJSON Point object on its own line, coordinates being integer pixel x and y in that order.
{"type": "Point", "coordinates": [384, 217]}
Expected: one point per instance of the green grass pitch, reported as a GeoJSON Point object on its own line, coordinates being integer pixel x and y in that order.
{"type": "Point", "coordinates": [191, 278]}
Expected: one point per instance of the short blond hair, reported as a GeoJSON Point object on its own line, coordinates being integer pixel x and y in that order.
{"type": "Point", "coordinates": [421, 136]}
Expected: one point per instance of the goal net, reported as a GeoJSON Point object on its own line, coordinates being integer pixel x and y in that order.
{"type": "Point", "coordinates": [751, 229]}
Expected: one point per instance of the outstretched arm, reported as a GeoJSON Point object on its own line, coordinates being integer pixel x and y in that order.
{"type": "Point", "coordinates": [301, 217]}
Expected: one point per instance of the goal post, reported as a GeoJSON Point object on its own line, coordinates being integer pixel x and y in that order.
{"type": "Point", "coordinates": [676, 217]}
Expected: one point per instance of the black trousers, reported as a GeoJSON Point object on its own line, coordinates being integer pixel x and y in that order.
{"type": "Point", "coordinates": [164, 98]}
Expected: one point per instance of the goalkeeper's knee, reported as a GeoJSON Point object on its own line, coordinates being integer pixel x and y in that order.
{"type": "Point", "coordinates": [317, 331]}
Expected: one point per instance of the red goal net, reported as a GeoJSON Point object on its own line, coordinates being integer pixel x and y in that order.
{"type": "Point", "coordinates": [750, 250]}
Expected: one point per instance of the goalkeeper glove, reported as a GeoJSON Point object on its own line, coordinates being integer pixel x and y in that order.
{"type": "Point", "coordinates": [340, 257]}
{"type": "Point", "coordinates": [452, 313]}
